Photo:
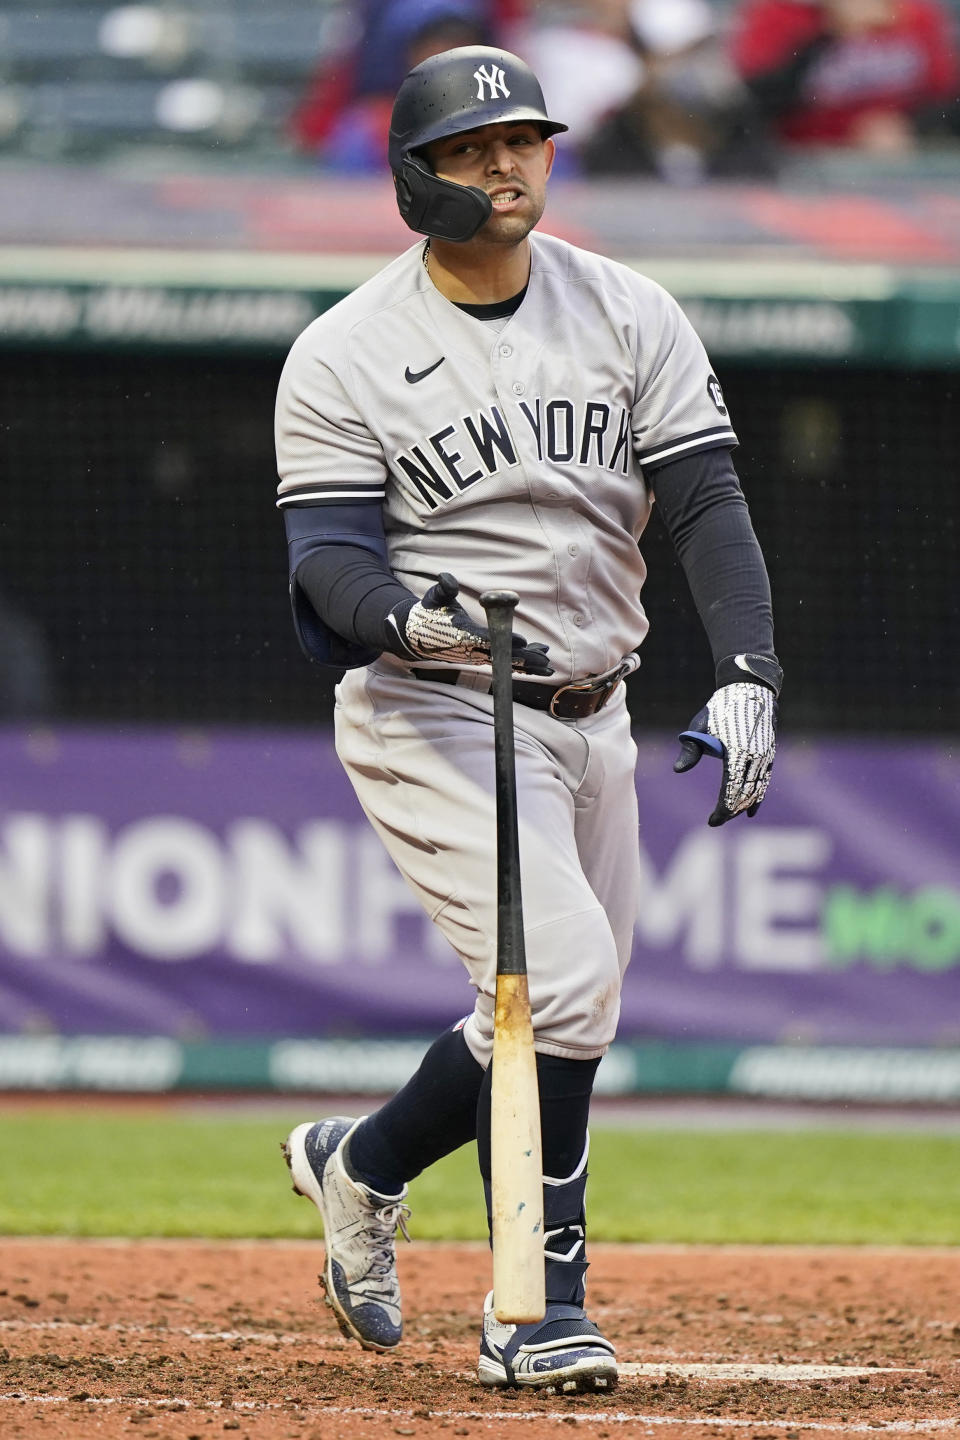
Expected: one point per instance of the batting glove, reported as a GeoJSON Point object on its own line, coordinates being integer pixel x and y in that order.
{"type": "Point", "coordinates": [738, 725]}
{"type": "Point", "coordinates": [437, 628]}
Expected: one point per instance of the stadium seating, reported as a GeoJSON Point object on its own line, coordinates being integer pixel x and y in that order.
{"type": "Point", "coordinates": [90, 76]}
{"type": "Point", "coordinates": [84, 78]}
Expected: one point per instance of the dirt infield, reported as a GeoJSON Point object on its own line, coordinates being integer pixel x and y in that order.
{"type": "Point", "coordinates": [169, 1340]}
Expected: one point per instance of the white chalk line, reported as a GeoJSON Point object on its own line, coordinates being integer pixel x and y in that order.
{"type": "Point", "coordinates": [749, 1370]}
{"type": "Point", "coordinates": [183, 1332]}
{"type": "Point", "coordinates": [727, 1370]}
{"type": "Point", "coordinates": [719, 1370]}
{"type": "Point", "coordinates": [595, 1417]}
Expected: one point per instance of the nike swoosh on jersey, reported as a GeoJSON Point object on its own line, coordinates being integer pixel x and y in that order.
{"type": "Point", "coordinates": [412, 376]}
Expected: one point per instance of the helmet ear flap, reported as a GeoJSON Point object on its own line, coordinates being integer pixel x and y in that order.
{"type": "Point", "coordinates": [437, 207]}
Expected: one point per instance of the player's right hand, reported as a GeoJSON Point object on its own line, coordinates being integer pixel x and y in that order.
{"type": "Point", "coordinates": [438, 628]}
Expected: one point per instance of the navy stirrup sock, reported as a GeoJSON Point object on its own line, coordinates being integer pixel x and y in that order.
{"type": "Point", "coordinates": [565, 1090]}
{"type": "Point", "coordinates": [434, 1114]}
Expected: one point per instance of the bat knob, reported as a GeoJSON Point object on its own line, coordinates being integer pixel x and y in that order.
{"type": "Point", "coordinates": [499, 599]}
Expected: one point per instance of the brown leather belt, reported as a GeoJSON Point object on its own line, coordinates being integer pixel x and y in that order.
{"type": "Point", "coordinates": [573, 701]}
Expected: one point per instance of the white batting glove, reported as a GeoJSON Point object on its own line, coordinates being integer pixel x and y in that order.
{"type": "Point", "coordinates": [437, 628]}
{"type": "Point", "coordinates": [738, 724]}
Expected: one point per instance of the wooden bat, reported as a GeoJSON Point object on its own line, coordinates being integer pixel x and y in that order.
{"type": "Point", "coordinates": [516, 1164]}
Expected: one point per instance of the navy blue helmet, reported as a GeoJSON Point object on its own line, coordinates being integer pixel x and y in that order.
{"type": "Point", "coordinates": [456, 90]}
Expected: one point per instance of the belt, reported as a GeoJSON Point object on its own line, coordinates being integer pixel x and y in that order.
{"type": "Point", "coordinates": [572, 701]}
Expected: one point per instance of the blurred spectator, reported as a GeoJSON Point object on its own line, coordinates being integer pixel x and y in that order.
{"type": "Point", "coordinates": [871, 74]}
{"type": "Point", "coordinates": [690, 116]}
{"type": "Point", "coordinates": [26, 678]}
{"type": "Point", "coordinates": [345, 116]}
{"type": "Point", "coordinates": [586, 59]}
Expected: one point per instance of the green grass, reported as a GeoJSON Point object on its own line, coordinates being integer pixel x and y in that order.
{"type": "Point", "coordinates": [220, 1174]}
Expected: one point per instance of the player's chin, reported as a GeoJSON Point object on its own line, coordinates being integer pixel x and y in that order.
{"type": "Point", "coordinates": [512, 226]}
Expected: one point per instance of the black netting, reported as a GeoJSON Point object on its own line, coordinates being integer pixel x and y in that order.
{"type": "Point", "coordinates": [138, 530]}
{"type": "Point", "coordinates": [850, 478]}
{"type": "Point", "coordinates": [140, 527]}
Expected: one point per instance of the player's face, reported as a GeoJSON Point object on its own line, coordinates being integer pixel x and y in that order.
{"type": "Point", "coordinates": [511, 162]}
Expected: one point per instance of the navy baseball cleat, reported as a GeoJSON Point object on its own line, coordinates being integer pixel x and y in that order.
{"type": "Point", "coordinates": [359, 1227]}
{"type": "Point", "coordinates": [562, 1354]}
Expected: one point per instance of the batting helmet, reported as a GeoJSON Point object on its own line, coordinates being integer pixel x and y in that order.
{"type": "Point", "coordinates": [456, 90]}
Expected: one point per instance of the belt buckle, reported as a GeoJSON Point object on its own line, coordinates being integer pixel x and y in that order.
{"type": "Point", "coordinates": [606, 685]}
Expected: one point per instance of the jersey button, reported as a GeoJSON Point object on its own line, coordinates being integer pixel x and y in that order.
{"type": "Point", "coordinates": [506, 350]}
{"type": "Point", "coordinates": [573, 548]}
{"type": "Point", "coordinates": [577, 619]}
{"type": "Point", "coordinates": [518, 387]}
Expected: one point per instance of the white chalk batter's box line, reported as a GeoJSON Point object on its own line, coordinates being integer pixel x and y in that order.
{"type": "Point", "coordinates": [661, 1369]}
{"type": "Point", "coordinates": [780, 1370]}
{"type": "Point", "coordinates": [607, 1417]}
{"type": "Point", "coordinates": [159, 1332]}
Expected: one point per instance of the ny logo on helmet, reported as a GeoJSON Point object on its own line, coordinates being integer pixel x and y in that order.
{"type": "Point", "coordinates": [493, 77]}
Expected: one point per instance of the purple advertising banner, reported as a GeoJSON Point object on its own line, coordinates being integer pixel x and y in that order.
{"type": "Point", "coordinates": [225, 884]}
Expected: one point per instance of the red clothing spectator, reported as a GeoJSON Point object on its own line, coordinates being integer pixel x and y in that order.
{"type": "Point", "coordinates": [869, 73]}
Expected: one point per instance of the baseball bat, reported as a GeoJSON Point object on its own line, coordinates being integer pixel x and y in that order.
{"type": "Point", "coordinates": [515, 1154]}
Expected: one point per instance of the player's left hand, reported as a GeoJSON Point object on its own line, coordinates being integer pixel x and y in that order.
{"type": "Point", "coordinates": [438, 628]}
{"type": "Point", "coordinates": [738, 725]}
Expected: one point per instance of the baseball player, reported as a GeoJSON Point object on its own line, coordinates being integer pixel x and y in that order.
{"type": "Point", "coordinates": [499, 409]}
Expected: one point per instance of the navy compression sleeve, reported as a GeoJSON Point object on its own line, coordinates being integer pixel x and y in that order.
{"type": "Point", "coordinates": [706, 516]}
{"type": "Point", "coordinates": [353, 591]}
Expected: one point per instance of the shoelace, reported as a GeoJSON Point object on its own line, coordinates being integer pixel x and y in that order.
{"type": "Point", "coordinates": [383, 1225]}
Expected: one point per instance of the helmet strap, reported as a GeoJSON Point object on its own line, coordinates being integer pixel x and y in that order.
{"type": "Point", "coordinates": [433, 206]}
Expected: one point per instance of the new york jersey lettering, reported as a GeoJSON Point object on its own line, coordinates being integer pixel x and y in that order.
{"type": "Point", "coordinates": [565, 432]}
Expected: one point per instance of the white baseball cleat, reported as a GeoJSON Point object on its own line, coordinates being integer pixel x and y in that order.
{"type": "Point", "coordinates": [359, 1227]}
{"type": "Point", "coordinates": [563, 1353]}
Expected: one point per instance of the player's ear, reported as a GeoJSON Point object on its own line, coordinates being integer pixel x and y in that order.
{"type": "Point", "coordinates": [549, 151]}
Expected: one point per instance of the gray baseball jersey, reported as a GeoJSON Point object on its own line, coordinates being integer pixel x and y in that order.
{"type": "Point", "coordinates": [519, 454]}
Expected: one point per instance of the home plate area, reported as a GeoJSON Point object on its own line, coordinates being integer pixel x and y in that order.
{"type": "Point", "coordinates": [184, 1339]}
